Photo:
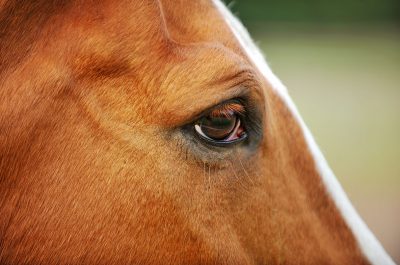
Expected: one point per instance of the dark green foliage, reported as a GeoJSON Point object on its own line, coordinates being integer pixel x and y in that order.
{"type": "Point", "coordinates": [317, 11]}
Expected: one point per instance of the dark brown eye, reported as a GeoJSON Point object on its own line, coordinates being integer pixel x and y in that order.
{"type": "Point", "coordinates": [222, 124]}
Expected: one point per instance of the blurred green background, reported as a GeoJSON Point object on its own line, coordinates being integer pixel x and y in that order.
{"type": "Point", "coordinates": [341, 63]}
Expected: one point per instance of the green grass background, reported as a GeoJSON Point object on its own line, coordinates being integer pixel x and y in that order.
{"type": "Point", "coordinates": [346, 84]}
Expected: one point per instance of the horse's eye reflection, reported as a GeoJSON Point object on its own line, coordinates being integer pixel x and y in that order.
{"type": "Point", "coordinates": [223, 125]}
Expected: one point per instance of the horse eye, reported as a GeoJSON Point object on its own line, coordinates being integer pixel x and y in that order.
{"type": "Point", "coordinates": [223, 125]}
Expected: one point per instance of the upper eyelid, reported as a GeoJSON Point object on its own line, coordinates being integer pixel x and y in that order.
{"type": "Point", "coordinates": [244, 84]}
{"type": "Point", "coordinates": [227, 108]}
{"type": "Point", "coordinates": [208, 110]}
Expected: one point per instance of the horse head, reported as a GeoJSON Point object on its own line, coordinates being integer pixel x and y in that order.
{"type": "Point", "coordinates": [154, 132]}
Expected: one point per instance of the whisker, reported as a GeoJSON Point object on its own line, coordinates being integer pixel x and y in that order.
{"type": "Point", "coordinates": [212, 193]}
{"type": "Point", "coordinates": [209, 176]}
{"type": "Point", "coordinates": [237, 177]}
{"type": "Point", "coordinates": [204, 176]}
{"type": "Point", "coordinates": [245, 172]}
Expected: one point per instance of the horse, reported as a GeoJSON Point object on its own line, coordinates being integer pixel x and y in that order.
{"type": "Point", "coordinates": [154, 132]}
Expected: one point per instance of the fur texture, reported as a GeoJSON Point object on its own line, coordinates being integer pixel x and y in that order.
{"type": "Point", "coordinates": [96, 169]}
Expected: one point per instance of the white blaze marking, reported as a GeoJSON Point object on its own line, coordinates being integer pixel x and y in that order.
{"type": "Point", "coordinates": [369, 245]}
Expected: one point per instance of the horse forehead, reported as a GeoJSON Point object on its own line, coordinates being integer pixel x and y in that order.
{"type": "Point", "coordinates": [158, 25]}
{"type": "Point", "coordinates": [115, 28]}
{"type": "Point", "coordinates": [108, 35]}
{"type": "Point", "coordinates": [180, 21]}
{"type": "Point", "coordinates": [105, 33]}
{"type": "Point", "coordinates": [197, 21]}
